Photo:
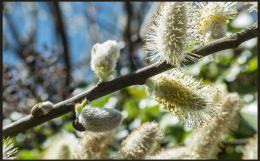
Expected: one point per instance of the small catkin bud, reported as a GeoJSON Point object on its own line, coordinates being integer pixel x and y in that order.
{"type": "Point", "coordinates": [99, 119]}
{"type": "Point", "coordinates": [9, 150]}
{"type": "Point", "coordinates": [94, 145]}
{"type": "Point", "coordinates": [186, 97]}
{"type": "Point", "coordinates": [250, 149]}
{"type": "Point", "coordinates": [104, 58]}
{"type": "Point", "coordinates": [138, 144]}
{"type": "Point", "coordinates": [204, 142]}
{"type": "Point", "coordinates": [42, 108]}
{"type": "Point", "coordinates": [168, 37]}
{"type": "Point", "coordinates": [213, 18]}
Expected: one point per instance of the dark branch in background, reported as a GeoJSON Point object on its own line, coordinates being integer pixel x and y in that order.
{"type": "Point", "coordinates": [128, 34]}
{"type": "Point", "coordinates": [236, 142]}
{"type": "Point", "coordinates": [24, 50]}
{"type": "Point", "coordinates": [136, 78]}
{"type": "Point", "coordinates": [60, 27]}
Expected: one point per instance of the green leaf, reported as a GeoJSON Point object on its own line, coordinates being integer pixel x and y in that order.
{"type": "Point", "coordinates": [153, 110]}
{"type": "Point", "coordinates": [252, 65]}
{"type": "Point", "coordinates": [100, 102]}
{"type": "Point", "coordinates": [27, 154]}
{"type": "Point", "coordinates": [69, 127]}
{"type": "Point", "coordinates": [138, 92]}
{"type": "Point", "coordinates": [131, 108]}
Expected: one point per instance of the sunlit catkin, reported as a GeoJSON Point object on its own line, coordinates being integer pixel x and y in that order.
{"type": "Point", "coordinates": [94, 145]}
{"type": "Point", "coordinates": [250, 149]}
{"type": "Point", "coordinates": [9, 150]}
{"type": "Point", "coordinates": [204, 142]}
{"type": "Point", "coordinates": [138, 144]}
{"type": "Point", "coordinates": [104, 58]}
{"type": "Point", "coordinates": [212, 18]}
{"type": "Point", "coordinates": [167, 38]}
{"type": "Point", "coordinates": [189, 99]}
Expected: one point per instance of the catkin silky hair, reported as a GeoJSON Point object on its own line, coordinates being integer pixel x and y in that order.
{"type": "Point", "coordinates": [189, 99]}
{"type": "Point", "coordinates": [140, 142]}
{"type": "Point", "coordinates": [169, 37]}
{"type": "Point", "coordinates": [104, 58]}
{"type": "Point", "coordinates": [212, 18]}
{"type": "Point", "coordinates": [99, 119]}
{"type": "Point", "coordinates": [9, 150]}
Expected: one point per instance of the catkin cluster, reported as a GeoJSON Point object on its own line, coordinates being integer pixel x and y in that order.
{"type": "Point", "coordinates": [204, 142]}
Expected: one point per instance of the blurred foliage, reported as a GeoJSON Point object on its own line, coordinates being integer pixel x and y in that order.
{"type": "Point", "coordinates": [236, 69]}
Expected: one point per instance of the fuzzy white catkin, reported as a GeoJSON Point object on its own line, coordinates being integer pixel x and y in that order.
{"type": "Point", "coordinates": [170, 35]}
{"type": "Point", "coordinates": [212, 18]}
{"type": "Point", "coordinates": [104, 57]}
{"type": "Point", "coordinates": [100, 119]}
{"type": "Point", "coordinates": [94, 145]}
{"type": "Point", "coordinates": [61, 146]}
{"type": "Point", "coordinates": [139, 143]}
{"type": "Point", "coordinates": [204, 142]}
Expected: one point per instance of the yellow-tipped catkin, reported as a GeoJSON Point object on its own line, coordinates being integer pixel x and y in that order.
{"type": "Point", "coordinates": [168, 37]}
{"type": "Point", "coordinates": [94, 145]}
{"type": "Point", "coordinates": [250, 149]}
{"type": "Point", "coordinates": [212, 18]}
{"type": "Point", "coordinates": [189, 99]}
{"type": "Point", "coordinates": [204, 142]}
{"type": "Point", "coordinates": [9, 150]}
{"type": "Point", "coordinates": [139, 143]}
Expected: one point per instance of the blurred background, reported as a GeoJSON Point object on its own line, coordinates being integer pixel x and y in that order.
{"type": "Point", "coordinates": [46, 56]}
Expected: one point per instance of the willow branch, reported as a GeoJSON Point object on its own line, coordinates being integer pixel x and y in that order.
{"type": "Point", "coordinates": [136, 78]}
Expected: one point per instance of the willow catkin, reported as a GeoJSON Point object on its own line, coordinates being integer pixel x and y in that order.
{"type": "Point", "coordinates": [138, 144]}
{"type": "Point", "coordinates": [189, 99]}
{"type": "Point", "coordinates": [99, 119]}
{"type": "Point", "coordinates": [212, 18]}
{"type": "Point", "coordinates": [94, 145]}
{"type": "Point", "coordinates": [104, 58]}
{"type": "Point", "coordinates": [168, 37]}
{"type": "Point", "coordinates": [62, 146]}
{"type": "Point", "coordinates": [204, 142]}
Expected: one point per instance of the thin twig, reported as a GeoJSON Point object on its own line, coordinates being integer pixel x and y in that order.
{"type": "Point", "coordinates": [135, 78]}
{"type": "Point", "coordinates": [60, 26]}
